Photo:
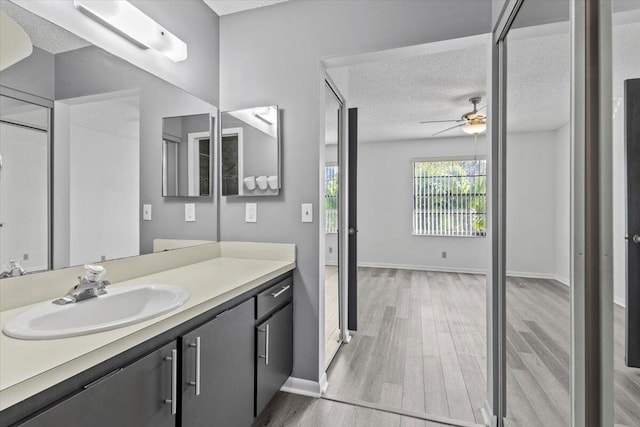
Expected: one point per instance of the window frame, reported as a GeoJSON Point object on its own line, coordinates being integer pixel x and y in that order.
{"type": "Point", "coordinates": [447, 159]}
{"type": "Point", "coordinates": [337, 210]}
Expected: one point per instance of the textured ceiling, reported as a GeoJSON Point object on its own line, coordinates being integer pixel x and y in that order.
{"type": "Point", "coordinates": [394, 96]}
{"type": "Point", "coordinates": [225, 7]}
{"type": "Point", "coordinates": [43, 34]}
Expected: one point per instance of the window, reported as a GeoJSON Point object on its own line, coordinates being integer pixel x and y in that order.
{"type": "Point", "coordinates": [450, 198]}
{"type": "Point", "coordinates": [331, 199]}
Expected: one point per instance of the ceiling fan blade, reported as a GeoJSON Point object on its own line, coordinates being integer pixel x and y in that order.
{"type": "Point", "coordinates": [443, 121]}
{"type": "Point", "coordinates": [448, 129]}
{"type": "Point", "coordinates": [483, 107]}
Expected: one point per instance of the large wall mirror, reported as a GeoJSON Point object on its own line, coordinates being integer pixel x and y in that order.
{"type": "Point", "coordinates": [250, 152]}
{"type": "Point", "coordinates": [82, 143]}
{"type": "Point", "coordinates": [187, 155]}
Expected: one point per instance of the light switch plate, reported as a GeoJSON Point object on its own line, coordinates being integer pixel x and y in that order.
{"type": "Point", "coordinates": [190, 212]}
{"type": "Point", "coordinates": [307, 212]}
{"type": "Point", "coordinates": [251, 212]}
{"type": "Point", "coordinates": [146, 212]}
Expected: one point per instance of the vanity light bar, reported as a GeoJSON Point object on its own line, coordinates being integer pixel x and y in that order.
{"type": "Point", "coordinates": [126, 20]}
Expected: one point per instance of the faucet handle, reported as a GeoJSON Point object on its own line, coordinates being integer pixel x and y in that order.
{"type": "Point", "coordinates": [94, 273]}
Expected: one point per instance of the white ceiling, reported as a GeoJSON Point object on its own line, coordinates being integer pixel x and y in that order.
{"type": "Point", "coordinates": [225, 7]}
{"type": "Point", "coordinates": [43, 34]}
{"type": "Point", "coordinates": [393, 96]}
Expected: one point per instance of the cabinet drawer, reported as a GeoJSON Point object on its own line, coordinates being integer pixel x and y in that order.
{"type": "Point", "coordinates": [275, 296]}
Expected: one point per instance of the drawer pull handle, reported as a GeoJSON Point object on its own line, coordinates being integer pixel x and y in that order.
{"type": "Point", "coordinates": [281, 291]}
{"type": "Point", "coordinates": [265, 356]}
{"type": "Point", "coordinates": [174, 381]}
{"type": "Point", "coordinates": [196, 383]}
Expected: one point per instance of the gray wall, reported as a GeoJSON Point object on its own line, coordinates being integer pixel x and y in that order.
{"type": "Point", "coordinates": [89, 71]}
{"type": "Point", "coordinates": [34, 75]}
{"type": "Point", "coordinates": [198, 26]}
{"type": "Point", "coordinates": [272, 56]}
{"type": "Point", "coordinates": [259, 150]}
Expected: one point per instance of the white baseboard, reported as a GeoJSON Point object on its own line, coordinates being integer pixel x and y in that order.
{"type": "Point", "coordinates": [620, 301]}
{"type": "Point", "coordinates": [306, 387]}
{"type": "Point", "coordinates": [423, 267]}
{"type": "Point", "coordinates": [487, 416]}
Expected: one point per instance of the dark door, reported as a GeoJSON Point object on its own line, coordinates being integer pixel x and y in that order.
{"type": "Point", "coordinates": [274, 354]}
{"type": "Point", "coordinates": [134, 396]}
{"type": "Point", "coordinates": [352, 241]}
{"type": "Point", "coordinates": [219, 392]}
{"type": "Point", "coordinates": [632, 140]}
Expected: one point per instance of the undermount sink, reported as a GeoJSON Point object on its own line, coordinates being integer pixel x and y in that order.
{"type": "Point", "coordinates": [119, 307]}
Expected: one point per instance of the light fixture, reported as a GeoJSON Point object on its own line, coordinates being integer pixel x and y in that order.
{"type": "Point", "coordinates": [269, 115]}
{"type": "Point", "coordinates": [474, 127]}
{"type": "Point", "coordinates": [15, 44]}
{"type": "Point", "coordinates": [126, 20]}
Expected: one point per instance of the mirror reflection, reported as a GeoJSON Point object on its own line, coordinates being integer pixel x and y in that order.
{"type": "Point", "coordinates": [24, 200]}
{"type": "Point", "coordinates": [187, 155]}
{"type": "Point", "coordinates": [250, 152]}
{"type": "Point", "coordinates": [81, 140]}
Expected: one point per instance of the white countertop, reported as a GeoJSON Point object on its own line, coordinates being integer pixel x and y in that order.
{"type": "Point", "coordinates": [28, 367]}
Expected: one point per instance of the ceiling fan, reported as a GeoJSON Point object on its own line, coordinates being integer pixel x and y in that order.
{"type": "Point", "coordinates": [472, 123]}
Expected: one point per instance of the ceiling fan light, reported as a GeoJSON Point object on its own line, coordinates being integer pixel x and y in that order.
{"type": "Point", "coordinates": [474, 128]}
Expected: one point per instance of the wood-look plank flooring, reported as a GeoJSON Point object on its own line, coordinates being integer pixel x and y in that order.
{"type": "Point", "coordinates": [295, 410]}
{"type": "Point", "coordinates": [332, 313]}
{"type": "Point", "coordinates": [422, 347]}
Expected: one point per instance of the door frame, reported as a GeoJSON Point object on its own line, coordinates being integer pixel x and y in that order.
{"type": "Point", "coordinates": [343, 169]}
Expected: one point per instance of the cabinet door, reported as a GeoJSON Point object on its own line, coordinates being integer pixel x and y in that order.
{"type": "Point", "coordinates": [220, 391]}
{"type": "Point", "coordinates": [133, 396]}
{"type": "Point", "coordinates": [274, 355]}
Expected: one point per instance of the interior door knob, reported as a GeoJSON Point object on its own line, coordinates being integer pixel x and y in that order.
{"type": "Point", "coordinates": [352, 231]}
{"type": "Point", "coordinates": [634, 239]}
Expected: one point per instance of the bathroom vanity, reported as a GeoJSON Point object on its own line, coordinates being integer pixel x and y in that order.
{"type": "Point", "coordinates": [217, 360]}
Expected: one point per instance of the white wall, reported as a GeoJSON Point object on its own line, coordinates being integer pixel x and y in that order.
{"type": "Point", "coordinates": [619, 207]}
{"type": "Point", "coordinates": [104, 186]}
{"type": "Point", "coordinates": [23, 192]}
{"type": "Point", "coordinates": [531, 204]}
{"type": "Point", "coordinates": [538, 207]}
{"type": "Point", "coordinates": [385, 194]}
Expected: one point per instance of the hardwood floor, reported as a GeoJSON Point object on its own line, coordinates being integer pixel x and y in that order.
{"type": "Point", "coordinates": [332, 313]}
{"type": "Point", "coordinates": [422, 348]}
{"type": "Point", "coordinates": [295, 410]}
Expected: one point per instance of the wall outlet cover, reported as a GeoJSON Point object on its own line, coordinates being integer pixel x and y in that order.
{"type": "Point", "coordinates": [190, 212]}
{"type": "Point", "coordinates": [146, 212]}
{"type": "Point", "coordinates": [307, 212]}
{"type": "Point", "coordinates": [251, 212]}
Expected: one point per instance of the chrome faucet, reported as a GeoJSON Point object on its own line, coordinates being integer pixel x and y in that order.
{"type": "Point", "coordinates": [90, 286]}
{"type": "Point", "coordinates": [12, 269]}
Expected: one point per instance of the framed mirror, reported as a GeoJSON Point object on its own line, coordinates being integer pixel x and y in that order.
{"type": "Point", "coordinates": [187, 155]}
{"type": "Point", "coordinates": [250, 152]}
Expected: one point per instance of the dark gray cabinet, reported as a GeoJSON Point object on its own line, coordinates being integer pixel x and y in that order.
{"type": "Point", "coordinates": [274, 354]}
{"type": "Point", "coordinates": [136, 395]}
{"type": "Point", "coordinates": [215, 371]}
{"type": "Point", "coordinates": [218, 370]}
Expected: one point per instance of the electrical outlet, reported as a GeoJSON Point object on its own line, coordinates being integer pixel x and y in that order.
{"type": "Point", "coordinates": [330, 250]}
{"type": "Point", "coordinates": [444, 255]}
{"type": "Point", "coordinates": [103, 258]}
{"type": "Point", "coordinates": [251, 212]}
{"type": "Point", "coordinates": [146, 212]}
{"type": "Point", "coordinates": [25, 257]}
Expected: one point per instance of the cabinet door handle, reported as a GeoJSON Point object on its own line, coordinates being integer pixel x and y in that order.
{"type": "Point", "coordinates": [265, 356]}
{"type": "Point", "coordinates": [174, 381]}
{"type": "Point", "coordinates": [281, 291]}
{"type": "Point", "coordinates": [196, 383]}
